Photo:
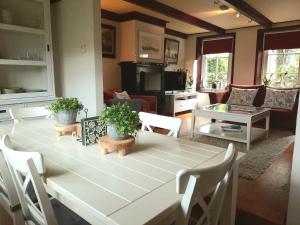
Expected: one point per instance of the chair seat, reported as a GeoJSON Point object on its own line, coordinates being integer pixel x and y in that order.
{"type": "Point", "coordinates": [66, 216]}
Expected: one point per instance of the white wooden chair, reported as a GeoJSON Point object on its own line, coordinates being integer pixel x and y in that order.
{"type": "Point", "coordinates": [19, 113]}
{"type": "Point", "coordinates": [8, 194]}
{"type": "Point", "coordinates": [196, 184]}
{"type": "Point", "coordinates": [31, 165]}
{"type": "Point", "coordinates": [165, 122]}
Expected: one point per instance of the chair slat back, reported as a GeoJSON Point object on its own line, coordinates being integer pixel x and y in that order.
{"type": "Point", "coordinates": [18, 113]}
{"type": "Point", "coordinates": [29, 165]}
{"type": "Point", "coordinates": [165, 122]}
{"type": "Point", "coordinates": [196, 184]}
{"type": "Point", "coordinates": [8, 193]}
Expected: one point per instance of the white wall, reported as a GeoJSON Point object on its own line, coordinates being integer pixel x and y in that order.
{"type": "Point", "coordinates": [77, 51]}
{"type": "Point", "coordinates": [111, 68]}
{"type": "Point", "coordinates": [293, 217]}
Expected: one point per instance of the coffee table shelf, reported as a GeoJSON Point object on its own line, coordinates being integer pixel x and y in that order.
{"type": "Point", "coordinates": [232, 114]}
{"type": "Point", "coordinates": [215, 130]}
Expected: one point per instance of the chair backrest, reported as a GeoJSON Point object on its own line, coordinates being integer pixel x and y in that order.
{"type": "Point", "coordinates": [166, 122]}
{"type": "Point", "coordinates": [8, 193]}
{"type": "Point", "coordinates": [26, 168]}
{"type": "Point", "coordinates": [19, 113]}
{"type": "Point", "coordinates": [196, 184]}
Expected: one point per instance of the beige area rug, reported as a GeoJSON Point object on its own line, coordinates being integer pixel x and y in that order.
{"type": "Point", "coordinates": [262, 152]}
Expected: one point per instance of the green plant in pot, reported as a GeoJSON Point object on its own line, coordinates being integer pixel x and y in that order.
{"type": "Point", "coordinates": [66, 110]}
{"type": "Point", "coordinates": [121, 121]}
{"type": "Point", "coordinates": [190, 83]}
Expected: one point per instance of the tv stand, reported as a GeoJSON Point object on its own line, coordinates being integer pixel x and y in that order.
{"type": "Point", "coordinates": [180, 101]}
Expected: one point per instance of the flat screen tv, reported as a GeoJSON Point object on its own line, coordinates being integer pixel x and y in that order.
{"type": "Point", "coordinates": [174, 81]}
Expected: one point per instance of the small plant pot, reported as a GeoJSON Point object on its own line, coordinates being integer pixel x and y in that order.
{"type": "Point", "coordinates": [113, 133]}
{"type": "Point", "coordinates": [213, 85]}
{"type": "Point", "coordinates": [66, 118]}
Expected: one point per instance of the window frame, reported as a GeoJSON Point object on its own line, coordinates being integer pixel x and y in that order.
{"type": "Point", "coordinates": [265, 65]}
{"type": "Point", "coordinates": [199, 55]}
{"type": "Point", "coordinates": [229, 71]}
{"type": "Point", "coordinates": [260, 52]}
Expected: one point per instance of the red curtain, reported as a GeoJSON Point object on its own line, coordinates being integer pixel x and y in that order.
{"type": "Point", "coordinates": [282, 40]}
{"type": "Point", "coordinates": [224, 45]}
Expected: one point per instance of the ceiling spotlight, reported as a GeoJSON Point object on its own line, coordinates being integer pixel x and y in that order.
{"type": "Point", "coordinates": [224, 7]}
{"type": "Point", "coordinates": [237, 15]}
{"type": "Point", "coordinates": [216, 2]}
{"type": "Point", "coordinates": [250, 21]}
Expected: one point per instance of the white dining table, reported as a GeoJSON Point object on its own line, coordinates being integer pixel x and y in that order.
{"type": "Point", "coordinates": [136, 189]}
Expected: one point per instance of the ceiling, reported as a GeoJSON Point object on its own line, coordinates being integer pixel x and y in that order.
{"type": "Point", "coordinates": [275, 10]}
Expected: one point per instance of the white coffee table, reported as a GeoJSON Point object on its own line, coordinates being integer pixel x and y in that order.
{"type": "Point", "coordinates": [232, 113]}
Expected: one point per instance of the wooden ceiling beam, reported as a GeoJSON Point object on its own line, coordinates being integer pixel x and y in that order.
{"type": "Point", "coordinates": [247, 10]}
{"type": "Point", "coordinates": [176, 33]}
{"type": "Point", "coordinates": [110, 15]}
{"type": "Point", "coordinates": [176, 14]}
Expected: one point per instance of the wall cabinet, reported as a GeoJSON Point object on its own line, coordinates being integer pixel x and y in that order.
{"type": "Point", "coordinates": [26, 63]}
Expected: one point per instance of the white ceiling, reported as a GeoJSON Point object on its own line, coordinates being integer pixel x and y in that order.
{"type": "Point", "coordinates": [275, 10]}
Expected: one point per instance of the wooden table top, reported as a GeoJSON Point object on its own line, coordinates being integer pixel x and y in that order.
{"type": "Point", "coordinates": [105, 189]}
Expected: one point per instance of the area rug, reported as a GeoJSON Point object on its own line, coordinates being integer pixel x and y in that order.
{"type": "Point", "coordinates": [262, 152]}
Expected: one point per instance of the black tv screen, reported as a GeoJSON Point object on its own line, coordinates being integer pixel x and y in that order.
{"type": "Point", "coordinates": [174, 81]}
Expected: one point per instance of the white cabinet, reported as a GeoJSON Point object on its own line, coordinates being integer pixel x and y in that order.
{"type": "Point", "coordinates": [26, 64]}
{"type": "Point", "coordinates": [180, 102]}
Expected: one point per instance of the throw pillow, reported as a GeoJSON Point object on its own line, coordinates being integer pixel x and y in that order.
{"type": "Point", "coordinates": [121, 95]}
{"type": "Point", "coordinates": [242, 96]}
{"type": "Point", "coordinates": [282, 99]}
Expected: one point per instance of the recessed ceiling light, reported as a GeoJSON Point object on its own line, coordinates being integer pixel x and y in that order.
{"type": "Point", "coordinates": [224, 7]}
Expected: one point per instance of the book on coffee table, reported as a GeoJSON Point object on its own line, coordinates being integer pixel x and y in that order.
{"type": "Point", "coordinates": [232, 128]}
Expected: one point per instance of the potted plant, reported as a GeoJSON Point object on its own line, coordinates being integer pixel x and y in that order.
{"type": "Point", "coordinates": [121, 121]}
{"type": "Point", "coordinates": [66, 110]}
{"type": "Point", "coordinates": [190, 83]}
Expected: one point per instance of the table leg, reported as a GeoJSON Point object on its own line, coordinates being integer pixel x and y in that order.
{"type": "Point", "coordinates": [249, 124]}
{"type": "Point", "coordinates": [267, 126]}
{"type": "Point", "coordinates": [193, 124]}
{"type": "Point", "coordinates": [228, 213]}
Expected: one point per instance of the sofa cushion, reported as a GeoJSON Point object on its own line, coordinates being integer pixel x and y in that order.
{"type": "Point", "coordinates": [121, 95]}
{"type": "Point", "coordinates": [260, 96]}
{"type": "Point", "coordinates": [241, 96]}
{"type": "Point", "coordinates": [282, 99]}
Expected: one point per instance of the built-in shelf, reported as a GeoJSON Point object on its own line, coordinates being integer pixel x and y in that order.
{"type": "Point", "coordinates": [16, 62]}
{"type": "Point", "coordinates": [21, 29]}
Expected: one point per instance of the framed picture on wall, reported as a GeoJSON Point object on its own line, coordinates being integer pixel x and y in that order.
{"type": "Point", "coordinates": [171, 51]}
{"type": "Point", "coordinates": [108, 41]}
{"type": "Point", "coordinates": [150, 45]}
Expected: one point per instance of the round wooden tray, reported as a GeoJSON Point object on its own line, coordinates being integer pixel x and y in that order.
{"type": "Point", "coordinates": [109, 145]}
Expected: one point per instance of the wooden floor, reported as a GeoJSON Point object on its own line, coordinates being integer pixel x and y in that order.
{"type": "Point", "coordinates": [262, 201]}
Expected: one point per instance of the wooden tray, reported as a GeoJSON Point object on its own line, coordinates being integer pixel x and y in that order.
{"type": "Point", "coordinates": [74, 129]}
{"type": "Point", "coordinates": [109, 145]}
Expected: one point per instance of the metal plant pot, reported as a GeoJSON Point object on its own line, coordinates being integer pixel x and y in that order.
{"type": "Point", "coordinates": [113, 133]}
{"type": "Point", "coordinates": [66, 118]}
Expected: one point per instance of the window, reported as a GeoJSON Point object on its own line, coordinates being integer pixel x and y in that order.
{"type": "Point", "coordinates": [216, 69]}
{"type": "Point", "coordinates": [281, 68]}
{"type": "Point", "coordinates": [216, 55]}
